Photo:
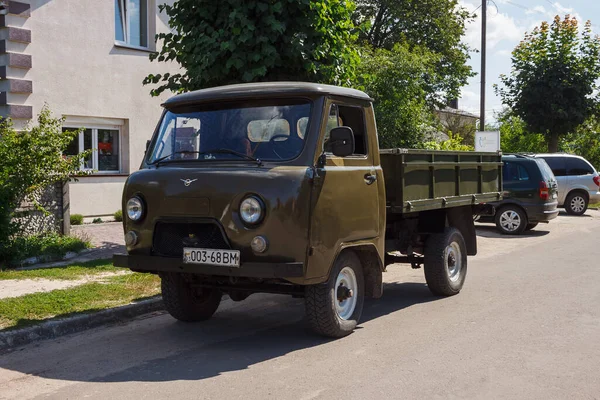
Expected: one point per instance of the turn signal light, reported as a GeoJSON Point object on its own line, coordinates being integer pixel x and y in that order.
{"type": "Point", "coordinates": [544, 191]}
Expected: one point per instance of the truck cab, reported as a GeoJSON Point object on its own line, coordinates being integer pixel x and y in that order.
{"type": "Point", "coordinates": [270, 187]}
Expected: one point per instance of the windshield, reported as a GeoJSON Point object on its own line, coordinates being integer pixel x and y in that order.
{"type": "Point", "coordinates": [267, 133]}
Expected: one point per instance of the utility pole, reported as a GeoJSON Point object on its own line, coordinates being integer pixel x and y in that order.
{"type": "Point", "coordinates": [483, 43]}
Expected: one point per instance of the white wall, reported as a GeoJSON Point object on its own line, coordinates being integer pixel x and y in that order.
{"type": "Point", "coordinates": [80, 72]}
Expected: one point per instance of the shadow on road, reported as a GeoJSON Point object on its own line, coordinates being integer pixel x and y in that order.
{"type": "Point", "coordinates": [492, 232]}
{"type": "Point", "coordinates": [563, 213]}
{"type": "Point", "coordinates": [178, 351]}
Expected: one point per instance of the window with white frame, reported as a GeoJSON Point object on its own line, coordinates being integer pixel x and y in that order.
{"type": "Point", "coordinates": [105, 149]}
{"type": "Point", "coordinates": [131, 22]}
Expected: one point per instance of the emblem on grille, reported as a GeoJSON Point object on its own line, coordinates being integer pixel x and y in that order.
{"type": "Point", "coordinates": [188, 182]}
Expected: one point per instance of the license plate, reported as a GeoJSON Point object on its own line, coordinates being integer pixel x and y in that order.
{"type": "Point", "coordinates": [224, 258]}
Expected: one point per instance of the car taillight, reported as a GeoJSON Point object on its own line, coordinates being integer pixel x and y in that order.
{"type": "Point", "coordinates": [544, 191]}
{"type": "Point", "coordinates": [597, 180]}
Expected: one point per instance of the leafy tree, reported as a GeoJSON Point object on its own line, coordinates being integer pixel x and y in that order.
{"type": "Point", "coordinates": [231, 41]}
{"type": "Point", "coordinates": [585, 141]}
{"type": "Point", "coordinates": [553, 79]}
{"type": "Point", "coordinates": [437, 25]}
{"type": "Point", "coordinates": [515, 138]}
{"type": "Point", "coordinates": [30, 161]}
{"type": "Point", "coordinates": [394, 78]}
{"type": "Point", "coordinates": [455, 142]}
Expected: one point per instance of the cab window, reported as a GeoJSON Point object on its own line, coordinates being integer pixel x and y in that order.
{"type": "Point", "coordinates": [352, 117]}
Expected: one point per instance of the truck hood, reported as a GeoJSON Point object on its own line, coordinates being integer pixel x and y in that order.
{"type": "Point", "coordinates": [214, 193]}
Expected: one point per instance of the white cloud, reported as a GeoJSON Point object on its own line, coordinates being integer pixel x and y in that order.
{"type": "Point", "coordinates": [500, 27]}
{"type": "Point", "coordinates": [536, 10]}
{"type": "Point", "coordinates": [503, 53]}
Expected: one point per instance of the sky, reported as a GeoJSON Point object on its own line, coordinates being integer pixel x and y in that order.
{"type": "Point", "coordinates": [507, 22]}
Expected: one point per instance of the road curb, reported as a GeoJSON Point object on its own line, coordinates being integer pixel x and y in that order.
{"type": "Point", "coordinates": [78, 323]}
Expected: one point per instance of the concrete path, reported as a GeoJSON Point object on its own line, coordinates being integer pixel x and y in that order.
{"type": "Point", "coordinates": [525, 326]}
{"type": "Point", "coordinates": [21, 287]}
{"type": "Point", "coordinates": [107, 239]}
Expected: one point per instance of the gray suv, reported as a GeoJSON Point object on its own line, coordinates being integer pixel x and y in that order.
{"type": "Point", "coordinates": [578, 181]}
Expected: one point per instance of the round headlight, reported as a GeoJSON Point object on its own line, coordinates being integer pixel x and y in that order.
{"type": "Point", "coordinates": [135, 208]}
{"type": "Point", "coordinates": [251, 210]}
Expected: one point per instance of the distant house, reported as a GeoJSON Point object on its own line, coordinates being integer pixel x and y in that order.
{"type": "Point", "coordinates": [458, 121]}
{"type": "Point", "coordinates": [87, 60]}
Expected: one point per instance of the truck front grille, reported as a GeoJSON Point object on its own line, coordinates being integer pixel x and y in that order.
{"type": "Point", "coordinates": [170, 238]}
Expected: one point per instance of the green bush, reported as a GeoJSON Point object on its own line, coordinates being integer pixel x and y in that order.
{"type": "Point", "coordinates": [97, 221]}
{"type": "Point", "coordinates": [118, 215]}
{"type": "Point", "coordinates": [48, 246]}
{"type": "Point", "coordinates": [454, 143]}
{"type": "Point", "coordinates": [76, 219]}
{"type": "Point", "coordinates": [31, 160]}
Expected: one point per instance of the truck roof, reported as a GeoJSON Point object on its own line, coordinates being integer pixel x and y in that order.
{"type": "Point", "coordinates": [263, 89]}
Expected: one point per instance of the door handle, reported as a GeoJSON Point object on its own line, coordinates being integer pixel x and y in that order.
{"type": "Point", "coordinates": [370, 178]}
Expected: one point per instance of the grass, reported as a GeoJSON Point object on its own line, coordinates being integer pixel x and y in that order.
{"type": "Point", "coordinates": [596, 205]}
{"type": "Point", "coordinates": [69, 272]}
{"type": "Point", "coordinates": [50, 246]}
{"type": "Point", "coordinates": [31, 309]}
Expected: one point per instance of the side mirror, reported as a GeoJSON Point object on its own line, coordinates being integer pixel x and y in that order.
{"type": "Point", "coordinates": [341, 141]}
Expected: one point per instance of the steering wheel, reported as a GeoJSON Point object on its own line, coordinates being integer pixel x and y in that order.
{"type": "Point", "coordinates": [272, 142]}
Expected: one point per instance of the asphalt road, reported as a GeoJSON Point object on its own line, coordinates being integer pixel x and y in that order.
{"type": "Point", "coordinates": [525, 326]}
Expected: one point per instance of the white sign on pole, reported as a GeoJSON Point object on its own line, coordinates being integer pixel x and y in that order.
{"type": "Point", "coordinates": [487, 141]}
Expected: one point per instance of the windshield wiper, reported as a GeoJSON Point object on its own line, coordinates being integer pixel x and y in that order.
{"type": "Point", "coordinates": [157, 161]}
{"type": "Point", "coordinates": [214, 151]}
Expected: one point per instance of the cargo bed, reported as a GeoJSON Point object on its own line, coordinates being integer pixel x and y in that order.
{"type": "Point", "coordinates": [420, 180]}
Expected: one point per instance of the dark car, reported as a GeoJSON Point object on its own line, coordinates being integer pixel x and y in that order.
{"type": "Point", "coordinates": [530, 195]}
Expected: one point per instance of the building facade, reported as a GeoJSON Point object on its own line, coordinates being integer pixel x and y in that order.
{"type": "Point", "coordinates": [86, 61]}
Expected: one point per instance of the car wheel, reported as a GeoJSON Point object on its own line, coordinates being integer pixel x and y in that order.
{"type": "Point", "coordinates": [576, 203]}
{"type": "Point", "coordinates": [445, 262]}
{"type": "Point", "coordinates": [333, 308]}
{"type": "Point", "coordinates": [530, 226]}
{"type": "Point", "coordinates": [511, 220]}
{"type": "Point", "coordinates": [187, 303]}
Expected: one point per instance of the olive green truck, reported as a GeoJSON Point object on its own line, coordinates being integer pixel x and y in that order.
{"type": "Point", "coordinates": [282, 188]}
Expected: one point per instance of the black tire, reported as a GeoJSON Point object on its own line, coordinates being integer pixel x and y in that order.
{"type": "Point", "coordinates": [531, 226]}
{"type": "Point", "coordinates": [442, 252]}
{"type": "Point", "coordinates": [186, 303]}
{"type": "Point", "coordinates": [576, 203]}
{"type": "Point", "coordinates": [321, 300]}
{"type": "Point", "coordinates": [507, 216]}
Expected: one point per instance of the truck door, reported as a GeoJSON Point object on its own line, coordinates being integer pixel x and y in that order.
{"type": "Point", "coordinates": [345, 198]}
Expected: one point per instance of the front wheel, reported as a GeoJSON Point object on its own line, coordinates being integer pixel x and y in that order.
{"type": "Point", "coordinates": [333, 308]}
{"type": "Point", "coordinates": [445, 262]}
{"type": "Point", "coordinates": [187, 303]}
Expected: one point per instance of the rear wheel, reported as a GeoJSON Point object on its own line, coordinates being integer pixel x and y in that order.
{"type": "Point", "coordinates": [445, 262]}
{"type": "Point", "coordinates": [576, 203]}
{"type": "Point", "coordinates": [185, 302]}
{"type": "Point", "coordinates": [531, 225]}
{"type": "Point", "coordinates": [511, 220]}
{"type": "Point", "coordinates": [334, 308]}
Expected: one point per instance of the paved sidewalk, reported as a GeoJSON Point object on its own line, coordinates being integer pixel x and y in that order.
{"type": "Point", "coordinates": [106, 238]}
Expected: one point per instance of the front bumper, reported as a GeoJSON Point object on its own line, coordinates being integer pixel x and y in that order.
{"type": "Point", "coordinates": [246, 270]}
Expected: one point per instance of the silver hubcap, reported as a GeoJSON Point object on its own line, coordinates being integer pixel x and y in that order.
{"type": "Point", "coordinates": [578, 204]}
{"type": "Point", "coordinates": [510, 220]}
{"type": "Point", "coordinates": [453, 261]}
{"type": "Point", "coordinates": [346, 291]}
